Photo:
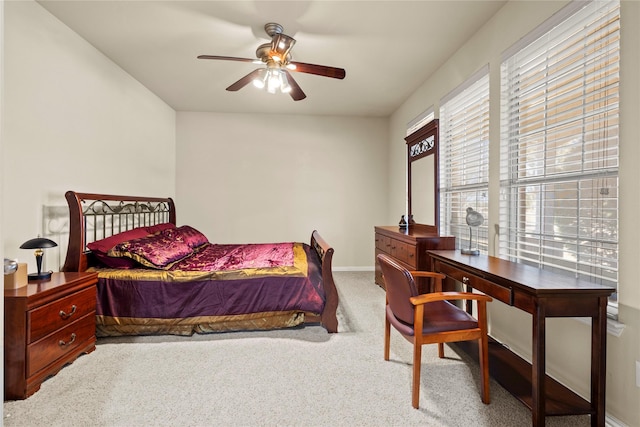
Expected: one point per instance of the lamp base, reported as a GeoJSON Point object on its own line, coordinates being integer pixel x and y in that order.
{"type": "Point", "coordinates": [45, 275]}
{"type": "Point", "coordinates": [470, 251]}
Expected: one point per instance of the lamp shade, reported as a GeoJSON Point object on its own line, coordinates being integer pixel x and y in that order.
{"type": "Point", "coordinates": [38, 243]}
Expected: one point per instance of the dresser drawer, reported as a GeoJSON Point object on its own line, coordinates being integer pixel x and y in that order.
{"type": "Point", "coordinates": [57, 314]}
{"type": "Point", "coordinates": [44, 352]}
{"type": "Point", "coordinates": [412, 256]}
{"type": "Point", "coordinates": [496, 291]}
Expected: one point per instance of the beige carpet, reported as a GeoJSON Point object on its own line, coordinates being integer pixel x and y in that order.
{"type": "Point", "coordinates": [297, 377]}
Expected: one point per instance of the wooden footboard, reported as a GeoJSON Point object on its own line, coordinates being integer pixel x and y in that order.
{"type": "Point", "coordinates": [329, 317]}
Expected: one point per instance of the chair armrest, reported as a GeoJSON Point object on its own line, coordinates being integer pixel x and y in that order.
{"type": "Point", "coordinates": [443, 296]}
{"type": "Point", "coordinates": [433, 274]}
{"type": "Point", "coordinates": [437, 278]}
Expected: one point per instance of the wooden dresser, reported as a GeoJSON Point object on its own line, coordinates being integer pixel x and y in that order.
{"type": "Point", "coordinates": [409, 246]}
{"type": "Point", "coordinates": [47, 324]}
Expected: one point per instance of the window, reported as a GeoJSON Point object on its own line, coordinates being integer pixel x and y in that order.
{"type": "Point", "coordinates": [559, 145]}
{"type": "Point", "coordinates": [464, 160]}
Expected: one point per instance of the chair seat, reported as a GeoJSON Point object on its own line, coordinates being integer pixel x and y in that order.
{"type": "Point", "coordinates": [439, 316]}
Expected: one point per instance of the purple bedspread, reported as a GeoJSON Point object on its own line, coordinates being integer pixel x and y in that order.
{"type": "Point", "coordinates": [212, 257]}
{"type": "Point", "coordinates": [127, 297]}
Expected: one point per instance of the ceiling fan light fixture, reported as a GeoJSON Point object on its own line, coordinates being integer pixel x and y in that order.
{"type": "Point", "coordinates": [276, 55]}
{"type": "Point", "coordinates": [281, 44]}
{"type": "Point", "coordinates": [274, 80]}
{"type": "Point", "coordinates": [285, 87]}
{"type": "Point", "coordinates": [260, 80]}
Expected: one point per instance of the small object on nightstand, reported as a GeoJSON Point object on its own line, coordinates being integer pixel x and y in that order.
{"type": "Point", "coordinates": [403, 223]}
{"type": "Point", "coordinates": [17, 278]}
{"type": "Point", "coordinates": [38, 244]}
{"type": "Point", "coordinates": [410, 220]}
{"type": "Point", "coordinates": [10, 266]}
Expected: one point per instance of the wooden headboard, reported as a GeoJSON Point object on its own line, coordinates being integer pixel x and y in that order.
{"type": "Point", "coordinates": [95, 216]}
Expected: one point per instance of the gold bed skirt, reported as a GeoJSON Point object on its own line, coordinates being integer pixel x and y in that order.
{"type": "Point", "coordinates": [107, 326]}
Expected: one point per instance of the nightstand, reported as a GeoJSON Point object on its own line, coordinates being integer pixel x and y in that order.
{"type": "Point", "coordinates": [47, 325]}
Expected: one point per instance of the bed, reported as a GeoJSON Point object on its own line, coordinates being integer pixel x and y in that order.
{"type": "Point", "coordinates": [158, 277]}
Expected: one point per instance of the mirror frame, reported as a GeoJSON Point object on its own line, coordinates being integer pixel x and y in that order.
{"type": "Point", "coordinates": [422, 143]}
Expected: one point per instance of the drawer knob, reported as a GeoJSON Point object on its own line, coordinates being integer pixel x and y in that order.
{"type": "Point", "coordinates": [65, 344]}
{"type": "Point", "coordinates": [65, 315]}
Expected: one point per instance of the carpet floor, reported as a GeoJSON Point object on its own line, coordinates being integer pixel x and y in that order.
{"type": "Point", "coordinates": [293, 377]}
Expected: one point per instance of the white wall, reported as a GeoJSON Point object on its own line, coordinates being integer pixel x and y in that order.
{"type": "Point", "coordinates": [87, 124]}
{"type": "Point", "coordinates": [260, 178]}
{"type": "Point", "coordinates": [568, 340]}
{"type": "Point", "coordinates": [72, 120]}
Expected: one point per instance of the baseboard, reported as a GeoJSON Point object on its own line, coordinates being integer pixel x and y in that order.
{"type": "Point", "coordinates": [610, 421]}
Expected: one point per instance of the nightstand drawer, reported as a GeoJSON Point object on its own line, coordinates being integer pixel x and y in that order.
{"type": "Point", "coordinates": [58, 314]}
{"type": "Point", "coordinates": [43, 352]}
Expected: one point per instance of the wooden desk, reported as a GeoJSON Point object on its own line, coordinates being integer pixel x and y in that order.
{"type": "Point", "coordinates": [542, 294]}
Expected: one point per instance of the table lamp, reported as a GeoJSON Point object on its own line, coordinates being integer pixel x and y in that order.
{"type": "Point", "coordinates": [474, 219]}
{"type": "Point", "coordinates": [38, 244]}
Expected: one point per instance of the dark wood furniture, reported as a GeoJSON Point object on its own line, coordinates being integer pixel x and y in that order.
{"type": "Point", "coordinates": [423, 179]}
{"type": "Point", "coordinates": [542, 294]}
{"type": "Point", "coordinates": [47, 324]}
{"type": "Point", "coordinates": [96, 216]}
{"type": "Point", "coordinates": [438, 323]}
{"type": "Point", "coordinates": [409, 247]}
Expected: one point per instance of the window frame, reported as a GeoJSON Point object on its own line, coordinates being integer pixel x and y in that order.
{"type": "Point", "coordinates": [464, 160]}
{"type": "Point", "coordinates": [596, 251]}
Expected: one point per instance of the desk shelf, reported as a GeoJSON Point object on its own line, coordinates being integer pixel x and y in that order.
{"type": "Point", "coordinates": [514, 374]}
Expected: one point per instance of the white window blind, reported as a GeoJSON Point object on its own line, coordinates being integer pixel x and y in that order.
{"type": "Point", "coordinates": [464, 159]}
{"type": "Point", "coordinates": [559, 146]}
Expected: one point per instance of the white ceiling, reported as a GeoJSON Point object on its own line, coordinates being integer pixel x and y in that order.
{"type": "Point", "coordinates": [388, 48]}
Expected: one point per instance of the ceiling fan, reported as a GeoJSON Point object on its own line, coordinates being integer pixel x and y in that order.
{"type": "Point", "coordinates": [277, 57]}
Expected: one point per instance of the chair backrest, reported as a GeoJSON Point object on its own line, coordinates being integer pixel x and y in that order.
{"type": "Point", "coordinates": [400, 287]}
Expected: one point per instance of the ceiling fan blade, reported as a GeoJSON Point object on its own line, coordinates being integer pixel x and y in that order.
{"type": "Point", "coordinates": [244, 81]}
{"type": "Point", "coordinates": [226, 58]}
{"type": "Point", "coordinates": [320, 70]}
{"type": "Point", "coordinates": [296, 92]}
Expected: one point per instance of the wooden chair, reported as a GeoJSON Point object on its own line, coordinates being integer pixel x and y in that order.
{"type": "Point", "coordinates": [431, 318]}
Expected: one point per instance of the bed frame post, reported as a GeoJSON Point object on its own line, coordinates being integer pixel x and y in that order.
{"type": "Point", "coordinates": [76, 260]}
{"type": "Point", "coordinates": [329, 318]}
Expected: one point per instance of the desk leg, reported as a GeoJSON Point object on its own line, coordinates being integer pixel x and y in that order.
{"type": "Point", "coordinates": [538, 362]}
{"type": "Point", "coordinates": [598, 363]}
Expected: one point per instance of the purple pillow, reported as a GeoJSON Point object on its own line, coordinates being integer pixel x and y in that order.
{"type": "Point", "coordinates": [113, 262]}
{"type": "Point", "coordinates": [153, 229]}
{"type": "Point", "coordinates": [104, 246]}
{"type": "Point", "coordinates": [187, 234]}
{"type": "Point", "coordinates": [158, 251]}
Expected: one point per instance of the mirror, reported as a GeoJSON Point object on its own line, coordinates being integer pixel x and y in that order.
{"type": "Point", "coordinates": [422, 175]}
